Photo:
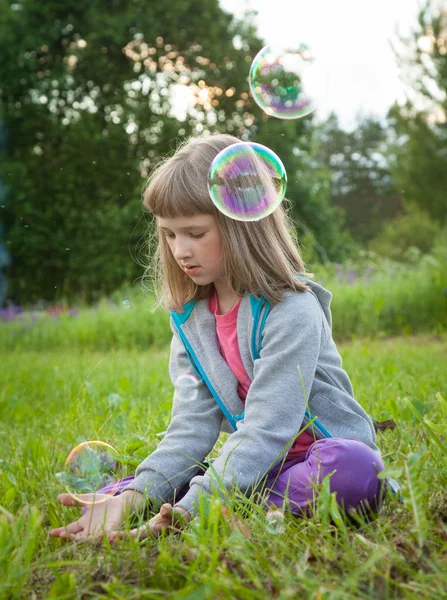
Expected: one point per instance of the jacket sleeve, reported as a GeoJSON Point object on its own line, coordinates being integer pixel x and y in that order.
{"type": "Point", "coordinates": [276, 401]}
{"type": "Point", "coordinates": [192, 433]}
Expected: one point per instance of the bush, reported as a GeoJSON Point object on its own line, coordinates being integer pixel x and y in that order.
{"type": "Point", "coordinates": [400, 236]}
{"type": "Point", "coordinates": [378, 297]}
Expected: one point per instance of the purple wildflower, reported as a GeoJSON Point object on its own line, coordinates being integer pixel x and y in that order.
{"type": "Point", "coordinates": [351, 276]}
{"type": "Point", "coordinates": [10, 312]}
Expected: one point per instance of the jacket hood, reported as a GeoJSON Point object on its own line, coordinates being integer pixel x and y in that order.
{"type": "Point", "coordinates": [323, 296]}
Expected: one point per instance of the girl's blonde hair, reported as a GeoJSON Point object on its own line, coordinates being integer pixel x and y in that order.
{"type": "Point", "coordinates": [261, 257]}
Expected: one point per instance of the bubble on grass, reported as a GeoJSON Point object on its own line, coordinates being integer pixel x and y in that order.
{"type": "Point", "coordinates": [284, 82]}
{"type": "Point", "coordinates": [247, 181]}
{"type": "Point", "coordinates": [126, 304]}
{"type": "Point", "coordinates": [89, 467]}
{"type": "Point", "coordinates": [114, 400]}
{"type": "Point", "coordinates": [275, 521]}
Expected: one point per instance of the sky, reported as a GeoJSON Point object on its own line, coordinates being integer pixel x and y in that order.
{"type": "Point", "coordinates": [350, 41]}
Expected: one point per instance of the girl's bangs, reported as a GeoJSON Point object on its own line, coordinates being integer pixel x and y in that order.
{"type": "Point", "coordinates": [174, 192]}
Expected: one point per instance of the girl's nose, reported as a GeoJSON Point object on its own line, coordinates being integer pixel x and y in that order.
{"type": "Point", "coordinates": [182, 251]}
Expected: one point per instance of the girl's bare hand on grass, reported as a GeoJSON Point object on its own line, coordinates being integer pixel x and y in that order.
{"type": "Point", "coordinates": [103, 515]}
{"type": "Point", "coordinates": [169, 518]}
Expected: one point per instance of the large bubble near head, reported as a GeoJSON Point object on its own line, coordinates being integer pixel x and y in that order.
{"type": "Point", "coordinates": [89, 467]}
{"type": "Point", "coordinates": [284, 82]}
{"type": "Point", "coordinates": [247, 181]}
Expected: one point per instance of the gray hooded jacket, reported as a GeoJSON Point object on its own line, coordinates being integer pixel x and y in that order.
{"type": "Point", "coordinates": [297, 379]}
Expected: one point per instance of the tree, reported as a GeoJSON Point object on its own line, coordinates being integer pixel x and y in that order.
{"type": "Point", "coordinates": [361, 182]}
{"type": "Point", "coordinates": [87, 96]}
{"type": "Point", "coordinates": [419, 150]}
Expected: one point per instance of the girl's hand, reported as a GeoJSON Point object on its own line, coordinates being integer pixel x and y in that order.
{"type": "Point", "coordinates": [103, 516]}
{"type": "Point", "coordinates": [169, 517]}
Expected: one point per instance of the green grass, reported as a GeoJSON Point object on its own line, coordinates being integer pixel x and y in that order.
{"type": "Point", "coordinates": [52, 400]}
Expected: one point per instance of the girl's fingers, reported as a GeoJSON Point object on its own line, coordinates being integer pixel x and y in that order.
{"type": "Point", "coordinates": [83, 537]}
{"type": "Point", "coordinates": [171, 516]}
{"type": "Point", "coordinates": [180, 518]}
{"type": "Point", "coordinates": [95, 535]}
{"type": "Point", "coordinates": [70, 534]}
{"type": "Point", "coordinates": [67, 536]}
{"type": "Point", "coordinates": [144, 532]}
{"type": "Point", "coordinates": [63, 532]}
{"type": "Point", "coordinates": [165, 510]}
{"type": "Point", "coordinates": [139, 533]}
{"type": "Point", "coordinates": [153, 527]}
{"type": "Point", "coordinates": [56, 531]}
{"type": "Point", "coordinates": [150, 529]}
{"type": "Point", "coordinates": [67, 500]}
{"type": "Point", "coordinates": [118, 535]}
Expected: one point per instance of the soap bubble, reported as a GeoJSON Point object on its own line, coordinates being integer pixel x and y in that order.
{"type": "Point", "coordinates": [284, 82]}
{"type": "Point", "coordinates": [187, 380]}
{"type": "Point", "coordinates": [275, 521]}
{"type": "Point", "coordinates": [126, 304]}
{"type": "Point", "coordinates": [247, 181]}
{"type": "Point", "coordinates": [89, 467]}
{"type": "Point", "coordinates": [188, 384]}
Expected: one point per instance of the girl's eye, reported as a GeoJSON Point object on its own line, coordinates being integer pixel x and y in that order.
{"type": "Point", "coordinates": [171, 235]}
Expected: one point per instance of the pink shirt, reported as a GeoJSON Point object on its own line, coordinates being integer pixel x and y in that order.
{"type": "Point", "coordinates": [226, 331]}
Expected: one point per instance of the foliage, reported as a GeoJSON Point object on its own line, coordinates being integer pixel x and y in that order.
{"type": "Point", "coordinates": [74, 171]}
{"type": "Point", "coordinates": [418, 153]}
{"type": "Point", "coordinates": [361, 182]}
{"type": "Point", "coordinates": [88, 101]}
{"type": "Point", "coordinates": [388, 298]}
{"type": "Point", "coordinates": [399, 237]}
{"type": "Point", "coordinates": [419, 162]}
{"type": "Point", "coordinates": [4, 262]}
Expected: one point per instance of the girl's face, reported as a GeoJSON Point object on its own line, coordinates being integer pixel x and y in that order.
{"type": "Point", "coordinates": [196, 241]}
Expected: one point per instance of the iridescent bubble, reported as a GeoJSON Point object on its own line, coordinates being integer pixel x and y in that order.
{"type": "Point", "coordinates": [187, 380]}
{"type": "Point", "coordinates": [275, 521]}
{"type": "Point", "coordinates": [188, 384]}
{"type": "Point", "coordinates": [126, 304]}
{"type": "Point", "coordinates": [247, 181]}
{"type": "Point", "coordinates": [283, 82]}
{"type": "Point", "coordinates": [89, 467]}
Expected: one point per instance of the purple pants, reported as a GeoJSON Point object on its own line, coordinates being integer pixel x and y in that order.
{"type": "Point", "coordinates": [355, 479]}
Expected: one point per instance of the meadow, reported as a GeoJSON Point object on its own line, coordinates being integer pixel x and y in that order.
{"type": "Point", "coordinates": [373, 297]}
{"type": "Point", "coordinates": [101, 373]}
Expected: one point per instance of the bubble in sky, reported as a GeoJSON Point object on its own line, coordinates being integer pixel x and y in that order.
{"type": "Point", "coordinates": [247, 181]}
{"type": "Point", "coordinates": [89, 467]}
{"type": "Point", "coordinates": [283, 81]}
{"type": "Point", "coordinates": [275, 521]}
{"type": "Point", "coordinates": [126, 304]}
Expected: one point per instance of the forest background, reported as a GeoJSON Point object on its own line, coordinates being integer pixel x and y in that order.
{"type": "Point", "coordinates": [87, 108]}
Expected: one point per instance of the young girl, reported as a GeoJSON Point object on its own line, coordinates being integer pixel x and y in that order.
{"type": "Point", "coordinates": [252, 354]}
